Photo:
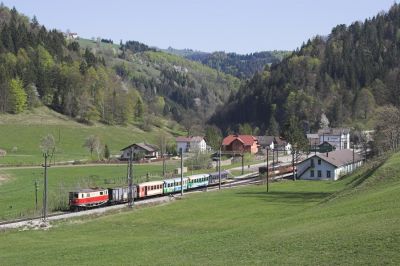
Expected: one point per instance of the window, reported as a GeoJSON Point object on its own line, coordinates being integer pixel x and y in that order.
{"type": "Point", "coordinates": [88, 195]}
{"type": "Point", "coordinates": [312, 162]}
{"type": "Point", "coordinates": [319, 173]}
{"type": "Point", "coordinates": [101, 193]}
{"type": "Point", "coordinates": [76, 195]}
{"type": "Point", "coordinates": [328, 174]}
{"type": "Point", "coordinates": [312, 173]}
{"type": "Point", "coordinates": [83, 196]}
{"type": "Point", "coordinates": [319, 161]}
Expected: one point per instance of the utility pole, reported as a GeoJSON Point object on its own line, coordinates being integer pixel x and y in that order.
{"type": "Point", "coordinates": [267, 172]}
{"type": "Point", "coordinates": [163, 161]}
{"type": "Point", "coordinates": [293, 152]}
{"type": "Point", "coordinates": [273, 159]}
{"type": "Point", "coordinates": [181, 153]}
{"type": "Point", "coordinates": [45, 188]}
{"type": "Point", "coordinates": [130, 175]}
{"type": "Point", "coordinates": [242, 163]}
{"type": "Point", "coordinates": [219, 168]}
{"type": "Point", "coordinates": [353, 158]}
{"type": "Point", "coordinates": [36, 194]}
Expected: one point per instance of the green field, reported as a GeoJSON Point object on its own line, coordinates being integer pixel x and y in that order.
{"type": "Point", "coordinates": [18, 187]}
{"type": "Point", "coordinates": [20, 136]}
{"type": "Point", "coordinates": [351, 221]}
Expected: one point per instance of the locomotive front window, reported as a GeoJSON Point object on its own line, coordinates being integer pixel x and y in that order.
{"type": "Point", "coordinates": [76, 195]}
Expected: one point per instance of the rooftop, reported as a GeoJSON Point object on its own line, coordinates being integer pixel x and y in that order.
{"type": "Point", "coordinates": [339, 157]}
{"type": "Point", "coordinates": [245, 139]}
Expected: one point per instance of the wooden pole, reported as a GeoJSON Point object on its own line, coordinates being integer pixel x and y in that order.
{"type": "Point", "coordinates": [181, 153]}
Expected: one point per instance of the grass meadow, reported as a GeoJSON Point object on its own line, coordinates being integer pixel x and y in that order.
{"type": "Point", "coordinates": [20, 136]}
{"type": "Point", "coordinates": [353, 221]}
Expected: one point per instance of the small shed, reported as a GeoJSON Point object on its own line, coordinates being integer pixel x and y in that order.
{"type": "Point", "coordinates": [3, 152]}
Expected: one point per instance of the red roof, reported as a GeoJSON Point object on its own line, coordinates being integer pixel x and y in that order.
{"type": "Point", "coordinates": [247, 140]}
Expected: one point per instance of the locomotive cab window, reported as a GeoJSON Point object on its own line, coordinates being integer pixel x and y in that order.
{"type": "Point", "coordinates": [101, 192]}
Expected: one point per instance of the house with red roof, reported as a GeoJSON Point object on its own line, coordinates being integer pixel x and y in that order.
{"type": "Point", "coordinates": [240, 144]}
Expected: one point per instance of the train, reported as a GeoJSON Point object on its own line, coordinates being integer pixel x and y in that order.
{"type": "Point", "coordinates": [94, 197]}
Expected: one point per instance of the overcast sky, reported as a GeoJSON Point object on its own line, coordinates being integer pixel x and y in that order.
{"type": "Point", "coordinates": [207, 25]}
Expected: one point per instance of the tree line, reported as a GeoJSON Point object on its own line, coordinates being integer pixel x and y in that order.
{"type": "Point", "coordinates": [39, 66]}
{"type": "Point", "coordinates": [346, 75]}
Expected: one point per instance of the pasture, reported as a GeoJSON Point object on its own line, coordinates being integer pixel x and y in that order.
{"type": "Point", "coordinates": [20, 136]}
{"type": "Point", "coordinates": [351, 221]}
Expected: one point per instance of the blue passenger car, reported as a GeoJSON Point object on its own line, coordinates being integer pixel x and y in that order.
{"type": "Point", "coordinates": [198, 181]}
{"type": "Point", "coordinates": [174, 185]}
{"type": "Point", "coordinates": [213, 178]}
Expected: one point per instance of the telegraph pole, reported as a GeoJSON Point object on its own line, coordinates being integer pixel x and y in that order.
{"type": "Point", "coordinates": [219, 168]}
{"type": "Point", "coordinates": [273, 159]}
{"type": "Point", "coordinates": [181, 153]}
{"type": "Point", "coordinates": [130, 176]}
{"type": "Point", "coordinates": [36, 194]}
{"type": "Point", "coordinates": [45, 188]}
{"type": "Point", "coordinates": [164, 166]}
{"type": "Point", "coordinates": [294, 178]}
{"type": "Point", "coordinates": [267, 172]}
{"type": "Point", "coordinates": [242, 163]}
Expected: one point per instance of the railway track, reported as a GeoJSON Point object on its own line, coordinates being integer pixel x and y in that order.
{"type": "Point", "coordinates": [38, 221]}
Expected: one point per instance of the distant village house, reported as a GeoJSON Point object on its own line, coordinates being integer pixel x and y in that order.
{"type": "Point", "coordinates": [143, 150]}
{"type": "Point", "coordinates": [274, 143]}
{"type": "Point", "coordinates": [191, 144]}
{"type": "Point", "coordinates": [3, 152]}
{"type": "Point", "coordinates": [339, 138]}
{"type": "Point", "coordinates": [240, 144]}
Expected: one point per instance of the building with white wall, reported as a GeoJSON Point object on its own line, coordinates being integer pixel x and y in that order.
{"type": "Point", "coordinates": [329, 166]}
{"type": "Point", "coordinates": [338, 137]}
{"type": "Point", "coordinates": [191, 144]}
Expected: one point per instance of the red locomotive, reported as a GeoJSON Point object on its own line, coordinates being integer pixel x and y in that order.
{"type": "Point", "coordinates": [86, 198]}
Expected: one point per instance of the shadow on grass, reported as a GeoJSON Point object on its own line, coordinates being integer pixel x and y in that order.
{"type": "Point", "coordinates": [367, 174]}
{"type": "Point", "coordinates": [286, 196]}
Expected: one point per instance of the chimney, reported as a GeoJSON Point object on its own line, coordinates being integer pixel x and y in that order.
{"type": "Point", "coordinates": [327, 154]}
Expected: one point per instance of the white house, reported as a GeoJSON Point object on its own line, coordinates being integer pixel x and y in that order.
{"type": "Point", "coordinates": [191, 144]}
{"type": "Point", "coordinates": [338, 137]}
{"type": "Point", "coordinates": [274, 143]}
{"type": "Point", "coordinates": [329, 166]}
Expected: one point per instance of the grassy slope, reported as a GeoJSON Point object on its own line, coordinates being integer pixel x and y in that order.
{"type": "Point", "coordinates": [24, 131]}
{"type": "Point", "coordinates": [351, 221]}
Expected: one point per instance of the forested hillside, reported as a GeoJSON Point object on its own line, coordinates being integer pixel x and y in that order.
{"type": "Point", "coordinates": [241, 66]}
{"type": "Point", "coordinates": [100, 81]}
{"type": "Point", "coordinates": [346, 75]}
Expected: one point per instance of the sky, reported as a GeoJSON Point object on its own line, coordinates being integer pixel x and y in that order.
{"type": "Point", "coordinates": [206, 25]}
